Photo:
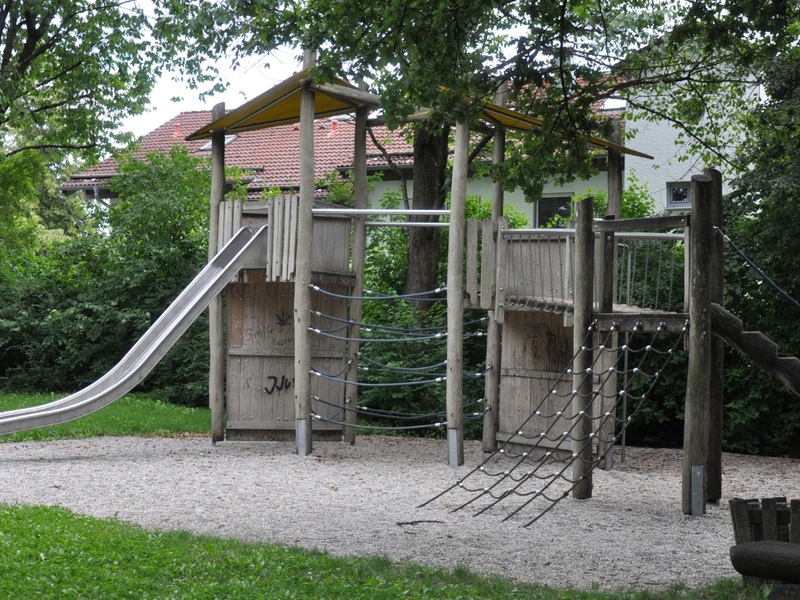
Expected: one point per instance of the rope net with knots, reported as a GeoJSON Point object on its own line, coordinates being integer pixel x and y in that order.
{"type": "Point", "coordinates": [537, 478]}
{"type": "Point", "coordinates": [393, 374]}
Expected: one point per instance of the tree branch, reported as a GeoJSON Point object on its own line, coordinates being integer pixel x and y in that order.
{"type": "Point", "coordinates": [392, 166]}
{"type": "Point", "coordinates": [46, 146]}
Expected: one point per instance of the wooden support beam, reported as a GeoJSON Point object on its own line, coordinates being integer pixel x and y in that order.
{"type": "Point", "coordinates": [640, 322]}
{"type": "Point", "coordinates": [358, 260]}
{"type": "Point", "coordinates": [488, 267]}
{"type": "Point", "coordinates": [216, 327]}
{"type": "Point", "coordinates": [302, 291]}
{"type": "Point", "coordinates": [698, 382]}
{"type": "Point", "coordinates": [642, 224]}
{"type": "Point", "coordinates": [608, 247]}
{"type": "Point", "coordinates": [716, 295]}
{"type": "Point", "coordinates": [455, 299]}
{"type": "Point", "coordinates": [582, 381]}
{"type": "Point", "coordinates": [494, 333]}
{"type": "Point", "coordinates": [614, 174]}
{"type": "Point", "coordinates": [608, 357]}
{"type": "Point", "coordinates": [346, 94]}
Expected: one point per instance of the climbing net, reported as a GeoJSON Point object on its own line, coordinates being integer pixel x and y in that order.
{"type": "Point", "coordinates": [390, 374]}
{"type": "Point", "coordinates": [538, 477]}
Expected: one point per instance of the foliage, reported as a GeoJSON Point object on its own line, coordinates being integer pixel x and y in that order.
{"type": "Point", "coordinates": [18, 230]}
{"type": "Point", "coordinates": [385, 273]}
{"type": "Point", "coordinates": [84, 302]}
{"type": "Point", "coordinates": [695, 67]}
{"type": "Point", "coordinates": [134, 414]}
{"type": "Point", "coordinates": [761, 219]}
{"type": "Point", "coordinates": [72, 70]}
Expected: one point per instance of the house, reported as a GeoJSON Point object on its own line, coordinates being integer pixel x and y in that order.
{"type": "Point", "coordinates": [271, 158]}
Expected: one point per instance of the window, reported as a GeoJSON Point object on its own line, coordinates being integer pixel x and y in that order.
{"type": "Point", "coordinates": [547, 208]}
{"type": "Point", "coordinates": [228, 140]}
{"type": "Point", "coordinates": [679, 195]}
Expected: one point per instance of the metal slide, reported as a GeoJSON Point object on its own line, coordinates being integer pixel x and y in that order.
{"type": "Point", "coordinates": [245, 250]}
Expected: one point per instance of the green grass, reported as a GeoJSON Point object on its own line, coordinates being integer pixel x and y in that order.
{"type": "Point", "coordinates": [134, 414]}
{"type": "Point", "coordinates": [48, 552]}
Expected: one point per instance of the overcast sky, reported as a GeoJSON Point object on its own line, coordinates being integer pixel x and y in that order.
{"type": "Point", "coordinates": [247, 82]}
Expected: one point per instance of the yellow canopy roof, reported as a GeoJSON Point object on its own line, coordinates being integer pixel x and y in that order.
{"type": "Point", "coordinates": [493, 113]}
{"type": "Point", "coordinates": [281, 105]}
{"type": "Point", "coordinates": [278, 106]}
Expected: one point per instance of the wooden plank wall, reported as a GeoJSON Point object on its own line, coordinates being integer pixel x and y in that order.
{"type": "Point", "coordinates": [261, 377]}
{"type": "Point", "coordinates": [536, 350]}
{"type": "Point", "coordinates": [538, 267]}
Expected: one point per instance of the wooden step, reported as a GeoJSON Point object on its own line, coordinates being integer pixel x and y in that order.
{"type": "Point", "coordinates": [757, 347]}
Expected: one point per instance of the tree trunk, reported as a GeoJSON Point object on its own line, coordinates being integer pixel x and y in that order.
{"type": "Point", "coordinates": [430, 162]}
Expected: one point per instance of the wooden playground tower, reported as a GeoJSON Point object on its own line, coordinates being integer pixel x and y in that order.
{"type": "Point", "coordinates": [312, 246]}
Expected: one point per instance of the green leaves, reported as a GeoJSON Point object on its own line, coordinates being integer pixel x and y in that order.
{"type": "Point", "coordinates": [72, 70]}
{"type": "Point", "coordinates": [80, 306]}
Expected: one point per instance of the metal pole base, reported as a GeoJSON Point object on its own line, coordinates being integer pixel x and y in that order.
{"type": "Point", "coordinates": [302, 437]}
{"type": "Point", "coordinates": [698, 491]}
{"type": "Point", "coordinates": [455, 457]}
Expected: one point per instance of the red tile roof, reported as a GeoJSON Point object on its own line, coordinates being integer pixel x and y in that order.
{"type": "Point", "coordinates": [272, 155]}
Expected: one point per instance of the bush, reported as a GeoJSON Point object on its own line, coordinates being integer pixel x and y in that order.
{"type": "Point", "coordinates": [81, 304]}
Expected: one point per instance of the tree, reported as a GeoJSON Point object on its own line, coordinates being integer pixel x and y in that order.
{"type": "Point", "coordinates": [689, 65]}
{"type": "Point", "coordinates": [71, 70]}
{"type": "Point", "coordinates": [762, 221]}
{"type": "Point", "coordinates": [671, 60]}
{"type": "Point", "coordinates": [80, 305]}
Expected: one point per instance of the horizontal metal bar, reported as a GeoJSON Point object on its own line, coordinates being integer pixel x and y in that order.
{"type": "Point", "coordinates": [644, 235]}
{"type": "Point", "coordinates": [404, 224]}
{"type": "Point", "coordinates": [379, 211]}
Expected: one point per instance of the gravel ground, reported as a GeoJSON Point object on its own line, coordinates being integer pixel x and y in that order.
{"type": "Point", "coordinates": [362, 499]}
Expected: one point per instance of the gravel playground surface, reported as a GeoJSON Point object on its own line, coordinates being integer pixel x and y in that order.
{"type": "Point", "coordinates": [362, 499]}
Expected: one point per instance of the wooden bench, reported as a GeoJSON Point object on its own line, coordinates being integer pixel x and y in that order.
{"type": "Point", "coordinates": [767, 550]}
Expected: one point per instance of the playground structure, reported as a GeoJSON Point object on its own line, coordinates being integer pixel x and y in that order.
{"type": "Point", "coordinates": [552, 295]}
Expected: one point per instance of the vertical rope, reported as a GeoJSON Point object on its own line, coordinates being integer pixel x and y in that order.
{"type": "Point", "coordinates": [646, 269]}
{"type": "Point", "coordinates": [673, 251]}
{"type": "Point", "coordinates": [549, 246]}
{"type": "Point", "coordinates": [658, 275]}
{"type": "Point", "coordinates": [561, 266]}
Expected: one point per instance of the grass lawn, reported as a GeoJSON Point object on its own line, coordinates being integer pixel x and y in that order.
{"type": "Point", "coordinates": [50, 552]}
{"type": "Point", "coordinates": [134, 414]}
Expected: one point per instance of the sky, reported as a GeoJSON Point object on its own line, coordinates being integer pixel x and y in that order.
{"type": "Point", "coordinates": [244, 84]}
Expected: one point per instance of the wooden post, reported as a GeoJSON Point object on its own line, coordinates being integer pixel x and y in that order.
{"type": "Point", "coordinates": [582, 319]}
{"type": "Point", "coordinates": [216, 328]}
{"type": "Point", "coordinates": [607, 401]}
{"type": "Point", "coordinates": [455, 299]}
{"type": "Point", "coordinates": [614, 174]}
{"type": "Point", "coordinates": [614, 209]}
{"type": "Point", "coordinates": [716, 295]}
{"type": "Point", "coordinates": [494, 332]}
{"type": "Point", "coordinates": [698, 382]}
{"type": "Point", "coordinates": [302, 291]}
{"type": "Point", "coordinates": [358, 259]}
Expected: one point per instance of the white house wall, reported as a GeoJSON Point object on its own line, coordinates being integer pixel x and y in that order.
{"type": "Point", "coordinates": [483, 188]}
